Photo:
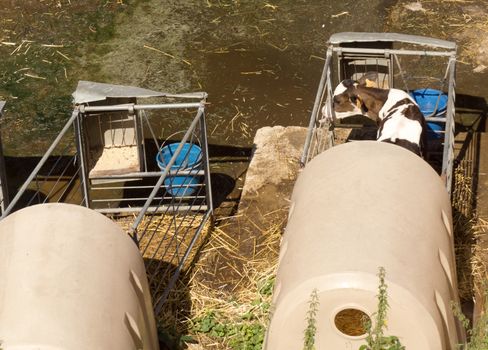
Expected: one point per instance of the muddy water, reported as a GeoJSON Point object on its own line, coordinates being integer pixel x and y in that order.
{"type": "Point", "coordinates": [259, 61]}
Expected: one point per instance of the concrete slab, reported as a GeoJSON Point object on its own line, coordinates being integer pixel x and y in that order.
{"type": "Point", "coordinates": [264, 202]}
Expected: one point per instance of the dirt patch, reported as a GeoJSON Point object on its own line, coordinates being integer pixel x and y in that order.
{"type": "Point", "coordinates": [464, 22]}
{"type": "Point", "coordinates": [40, 46]}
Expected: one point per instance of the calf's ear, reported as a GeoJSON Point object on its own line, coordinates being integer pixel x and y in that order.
{"type": "Point", "coordinates": [369, 79]}
{"type": "Point", "coordinates": [358, 101]}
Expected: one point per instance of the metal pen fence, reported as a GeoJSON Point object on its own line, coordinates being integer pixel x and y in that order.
{"type": "Point", "coordinates": [400, 61]}
{"type": "Point", "coordinates": [156, 186]}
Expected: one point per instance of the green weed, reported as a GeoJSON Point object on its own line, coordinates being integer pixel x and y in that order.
{"type": "Point", "coordinates": [376, 339]}
{"type": "Point", "coordinates": [246, 330]}
{"type": "Point", "coordinates": [478, 334]}
{"type": "Point", "coordinates": [243, 334]}
{"type": "Point", "coordinates": [311, 330]}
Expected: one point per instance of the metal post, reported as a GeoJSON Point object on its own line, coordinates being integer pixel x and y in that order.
{"type": "Point", "coordinates": [448, 154]}
{"type": "Point", "coordinates": [206, 167]}
{"type": "Point", "coordinates": [82, 160]}
{"type": "Point", "coordinates": [3, 175]}
{"type": "Point", "coordinates": [316, 107]}
{"type": "Point", "coordinates": [140, 141]}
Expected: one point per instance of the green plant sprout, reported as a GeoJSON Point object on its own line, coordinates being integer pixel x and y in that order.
{"type": "Point", "coordinates": [376, 339]}
{"type": "Point", "coordinates": [311, 330]}
{"type": "Point", "coordinates": [478, 334]}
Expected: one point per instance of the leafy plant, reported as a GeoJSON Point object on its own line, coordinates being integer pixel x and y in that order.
{"type": "Point", "coordinates": [169, 338]}
{"type": "Point", "coordinates": [478, 334]}
{"type": "Point", "coordinates": [244, 334]}
{"type": "Point", "coordinates": [376, 339]}
{"type": "Point", "coordinates": [311, 330]}
{"type": "Point", "coordinates": [244, 327]}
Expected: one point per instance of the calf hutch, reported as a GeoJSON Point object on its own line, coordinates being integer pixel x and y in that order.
{"type": "Point", "coordinates": [354, 208]}
{"type": "Point", "coordinates": [145, 165]}
{"type": "Point", "coordinates": [73, 280]}
{"type": "Point", "coordinates": [365, 205]}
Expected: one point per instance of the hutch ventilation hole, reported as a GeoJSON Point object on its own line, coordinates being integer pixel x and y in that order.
{"type": "Point", "coordinates": [351, 322]}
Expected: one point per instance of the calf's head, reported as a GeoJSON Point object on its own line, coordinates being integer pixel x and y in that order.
{"type": "Point", "coordinates": [346, 100]}
{"type": "Point", "coordinates": [352, 98]}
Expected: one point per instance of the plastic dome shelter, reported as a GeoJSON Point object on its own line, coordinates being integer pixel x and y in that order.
{"type": "Point", "coordinates": [357, 207]}
{"type": "Point", "coordinates": [71, 279]}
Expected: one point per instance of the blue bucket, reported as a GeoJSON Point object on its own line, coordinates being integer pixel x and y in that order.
{"type": "Point", "coordinates": [181, 185]}
{"type": "Point", "coordinates": [434, 130]}
{"type": "Point", "coordinates": [427, 100]}
{"type": "Point", "coordinates": [190, 158]}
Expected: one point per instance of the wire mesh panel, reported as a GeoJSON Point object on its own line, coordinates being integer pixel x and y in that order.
{"type": "Point", "coordinates": [56, 177]}
{"type": "Point", "coordinates": [423, 67]}
{"type": "Point", "coordinates": [176, 212]}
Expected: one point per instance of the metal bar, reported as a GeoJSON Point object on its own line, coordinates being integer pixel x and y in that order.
{"type": "Point", "coordinates": [82, 160]}
{"type": "Point", "coordinates": [155, 230]}
{"type": "Point", "coordinates": [176, 235]}
{"type": "Point", "coordinates": [436, 119]}
{"type": "Point", "coordinates": [204, 145]}
{"type": "Point", "coordinates": [330, 132]}
{"type": "Point", "coordinates": [40, 164]}
{"type": "Point", "coordinates": [137, 107]}
{"type": "Point", "coordinates": [313, 117]}
{"type": "Point", "coordinates": [448, 153]}
{"type": "Point", "coordinates": [139, 140]}
{"type": "Point", "coordinates": [58, 180]}
{"type": "Point", "coordinates": [392, 51]}
{"type": "Point", "coordinates": [135, 187]}
{"type": "Point", "coordinates": [175, 276]}
{"type": "Point", "coordinates": [106, 200]}
{"type": "Point", "coordinates": [159, 209]}
{"type": "Point", "coordinates": [68, 185]}
{"type": "Point", "coordinates": [166, 170]}
{"type": "Point", "coordinates": [134, 176]}
{"type": "Point", "coordinates": [178, 244]}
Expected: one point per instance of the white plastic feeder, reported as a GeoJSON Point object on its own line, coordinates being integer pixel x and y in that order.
{"type": "Point", "coordinates": [71, 279]}
{"type": "Point", "coordinates": [357, 207]}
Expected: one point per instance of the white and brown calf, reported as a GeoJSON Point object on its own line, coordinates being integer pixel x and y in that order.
{"type": "Point", "coordinates": [398, 117]}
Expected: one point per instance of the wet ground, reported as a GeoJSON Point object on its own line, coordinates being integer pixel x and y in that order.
{"type": "Point", "coordinates": [260, 62]}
